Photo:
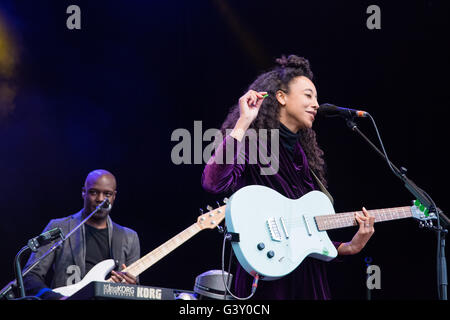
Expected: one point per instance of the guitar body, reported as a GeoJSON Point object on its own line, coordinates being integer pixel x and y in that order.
{"type": "Point", "coordinates": [276, 233]}
{"type": "Point", "coordinates": [97, 273]}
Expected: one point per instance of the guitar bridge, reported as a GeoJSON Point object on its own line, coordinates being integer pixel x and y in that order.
{"type": "Point", "coordinates": [274, 231]}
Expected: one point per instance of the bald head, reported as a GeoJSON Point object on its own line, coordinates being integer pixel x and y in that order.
{"type": "Point", "coordinates": [99, 185]}
{"type": "Point", "coordinates": [95, 175]}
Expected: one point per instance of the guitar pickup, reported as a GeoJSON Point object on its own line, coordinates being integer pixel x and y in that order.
{"type": "Point", "coordinates": [274, 230]}
{"type": "Point", "coordinates": [283, 224]}
{"type": "Point", "coordinates": [305, 220]}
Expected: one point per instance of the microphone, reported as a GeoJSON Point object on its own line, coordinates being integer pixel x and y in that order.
{"type": "Point", "coordinates": [38, 241]}
{"type": "Point", "coordinates": [330, 110]}
{"type": "Point", "coordinates": [45, 238]}
{"type": "Point", "coordinates": [105, 205]}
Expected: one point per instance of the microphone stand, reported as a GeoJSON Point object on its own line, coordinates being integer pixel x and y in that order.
{"type": "Point", "coordinates": [32, 245]}
{"type": "Point", "coordinates": [425, 200]}
{"type": "Point", "coordinates": [6, 292]}
{"type": "Point", "coordinates": [18, 271]}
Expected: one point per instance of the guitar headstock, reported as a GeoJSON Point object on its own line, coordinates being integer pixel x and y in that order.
{"type": "Point", "coordinates": [212, 218]}
{"type": "Point", "coordinates": [420, 212]}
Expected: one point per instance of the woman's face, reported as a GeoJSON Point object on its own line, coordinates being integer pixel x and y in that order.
{"type": "Point", "coordinates": [299, 106]}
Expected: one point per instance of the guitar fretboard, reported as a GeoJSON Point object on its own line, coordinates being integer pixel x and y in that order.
{"type": "Point", "coordinates": [154, 256]}
{"type": "Point", "coordinates": [347, 219]}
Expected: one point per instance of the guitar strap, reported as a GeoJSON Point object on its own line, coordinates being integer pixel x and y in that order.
{"type": "Point", "coordinates": [322, 187]}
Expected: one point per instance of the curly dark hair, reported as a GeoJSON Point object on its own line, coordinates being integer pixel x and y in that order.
{"type": "Point", "coordinates": [268, 117]}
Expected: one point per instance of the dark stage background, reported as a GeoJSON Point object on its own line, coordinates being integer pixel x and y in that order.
{"type": "Point", "coordinates": [111, 94]}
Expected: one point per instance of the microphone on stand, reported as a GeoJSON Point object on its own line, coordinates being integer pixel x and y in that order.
{"type": "Point", "coordinates": [38, 241]}
{"type": "Point", "coordinates": [45, 238]}
{"type": "Point", "coordinates": [105, 204]}
{"type": "Point", "coordinates": [330, 110]}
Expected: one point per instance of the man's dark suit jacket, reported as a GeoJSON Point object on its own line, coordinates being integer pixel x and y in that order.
{"type": "Point", "coordinates": [123, 243]}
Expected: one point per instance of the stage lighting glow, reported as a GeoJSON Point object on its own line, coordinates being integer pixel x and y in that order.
{"type": "Point", "coordinates": [8, 65]}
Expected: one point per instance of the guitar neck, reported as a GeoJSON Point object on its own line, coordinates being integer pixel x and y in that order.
{"type": "Point", "coordinates": [347, 219]}
{"type": "Point", "coordinates": [157, 254]}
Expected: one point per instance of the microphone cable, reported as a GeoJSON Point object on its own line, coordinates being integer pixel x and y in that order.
{"type": "Point", "coordinates": [434, 207]}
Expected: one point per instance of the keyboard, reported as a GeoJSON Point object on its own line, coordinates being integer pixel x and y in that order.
{"type": "Point", "coordinates": [97, 290]}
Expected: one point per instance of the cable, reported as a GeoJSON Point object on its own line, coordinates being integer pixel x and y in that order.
{"type": "Point", "coordinates": [230, 258]}
{"type": "Point", "coordinates": [439, 236]}
{"type": "Point", "coordinates": [438, 253]}
{"type": "Point", "coordinates": [381, 142]}
{"type": "Point", "coordinates": [255, 280]}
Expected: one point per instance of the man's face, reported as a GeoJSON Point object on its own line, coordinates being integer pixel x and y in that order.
{"type": "Point", "coordinates": [95, 191]}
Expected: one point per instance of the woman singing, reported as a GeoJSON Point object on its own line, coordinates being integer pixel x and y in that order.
{"type": "Point", "coordinates": [284, 98]}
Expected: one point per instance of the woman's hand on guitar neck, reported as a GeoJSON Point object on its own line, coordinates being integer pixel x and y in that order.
{"type": "Point", "coordinates": [360, 239]}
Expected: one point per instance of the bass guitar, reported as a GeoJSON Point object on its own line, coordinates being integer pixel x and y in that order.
{"type": "Point", "coordinates": [100, 271]}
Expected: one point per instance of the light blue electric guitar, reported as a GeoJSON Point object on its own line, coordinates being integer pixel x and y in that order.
{"type": "Point", "coordinates": [276, 233]}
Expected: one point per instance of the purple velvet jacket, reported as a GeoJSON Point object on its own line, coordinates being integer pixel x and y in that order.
{"type": "Point", "coordinates": [293, 179]}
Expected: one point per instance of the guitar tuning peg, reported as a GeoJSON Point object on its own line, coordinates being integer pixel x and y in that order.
{"type": "Point", "coordinates": [225, 200]}
{"type": "Point", "coordinates": [218, 204]}
{"type": "Point", "coordinates": [220, 229]}
{"type": "Point", "coordinates": [201, 211]}
{"type": "Point", "coordinates": [209, 207]}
